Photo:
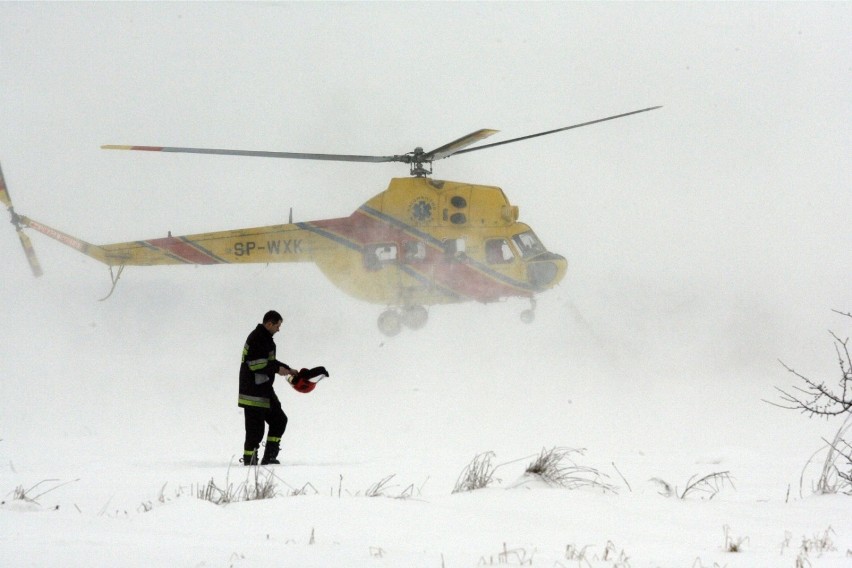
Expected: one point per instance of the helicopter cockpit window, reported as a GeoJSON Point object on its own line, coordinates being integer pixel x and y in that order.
{"type": "Point", "coordinates": [498, 251]}
{"type": "Point", "coordinates": [414, 250]}
{"type": "Point", "coordinates": [528, 244]}
{"type": "Point", "coordinates": [377, 255]}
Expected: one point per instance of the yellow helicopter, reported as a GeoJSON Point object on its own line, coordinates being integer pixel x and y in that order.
{"type": "Point", "coordinates": [419, 243]}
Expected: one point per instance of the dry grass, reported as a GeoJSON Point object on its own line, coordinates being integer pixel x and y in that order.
{"type": "Point", "coordinates": [478, 474]}
{"type": "Point", "coordinates": [557, 467]}
{"type": "Point", "coordinates": [733, 544]}
{"type": "Point", "coordinates": [705, 487]}
{"type": "Point", "coordinates": [32, 494]}
{"type": "Point", "coordinates": [832, 478]}
{"type": "Point", "coordinates": [256, 486]}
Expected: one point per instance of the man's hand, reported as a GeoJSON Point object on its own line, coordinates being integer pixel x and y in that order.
{"type": "Point", "coordinates": [286, 371]}
{"type": "Point", "coordinates": [306, 380]}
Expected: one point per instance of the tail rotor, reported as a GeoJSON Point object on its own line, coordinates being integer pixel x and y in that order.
{"type": "Point", "coordinates": [30, 252]}
{"type": "Point", "coordinates": [20, 223]}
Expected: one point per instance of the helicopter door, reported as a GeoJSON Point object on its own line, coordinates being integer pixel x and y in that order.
{"type": "Point", "coordinates": [455, 250]}
{"type": "Point", "coordinates": [498, 251]}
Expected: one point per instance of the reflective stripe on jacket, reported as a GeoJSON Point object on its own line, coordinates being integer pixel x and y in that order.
{"type": "Point", "coordinates": [258, 368]}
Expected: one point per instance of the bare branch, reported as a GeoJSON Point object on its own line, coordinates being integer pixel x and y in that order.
{"type": "Point", "coordinates": [817, 398]}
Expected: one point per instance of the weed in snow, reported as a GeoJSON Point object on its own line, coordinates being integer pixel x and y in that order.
{"type": "Point", "coordinates": [557, 468]}
{"type": "Point", "coordinates": [518, 556]}
{"type": "Point", "coordinates": [585, 556]}
{"type": "Point", "coordinates": [262, 486]}
{"type": "Point", "coordinates": [27, 496]}
{"type": "Point", "coordinates": [478, 474]}
{"type": "Point", "coordinates": [733, 544]}
{"type": "Point", "coordinates": [707, 486]}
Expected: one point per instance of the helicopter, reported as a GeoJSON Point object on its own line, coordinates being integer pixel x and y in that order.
{"type": "Point", "coordinates": [421, 242]}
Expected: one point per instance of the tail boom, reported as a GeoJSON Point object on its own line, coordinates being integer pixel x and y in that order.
{"type": "Point", "coordinates": [94, 251]}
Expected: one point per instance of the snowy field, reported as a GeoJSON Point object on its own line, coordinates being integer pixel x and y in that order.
{"type": "Point", "coordinates": [706, 241]}
{"type": "Point", "coordinates": [128, 426]}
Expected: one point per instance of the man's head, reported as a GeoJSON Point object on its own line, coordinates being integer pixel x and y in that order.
{"type": "Point", "coordinates": [272, 321]}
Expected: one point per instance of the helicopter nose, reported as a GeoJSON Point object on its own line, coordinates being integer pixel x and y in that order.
{"type": "Point", "coordinates": [546, 270]}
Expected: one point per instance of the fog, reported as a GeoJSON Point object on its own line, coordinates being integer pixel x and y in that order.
{"type": "Point", "coordinates": [705, 239]}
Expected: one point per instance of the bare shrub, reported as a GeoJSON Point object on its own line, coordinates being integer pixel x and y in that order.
{"type": "Point", "coordinates": [816, 398]}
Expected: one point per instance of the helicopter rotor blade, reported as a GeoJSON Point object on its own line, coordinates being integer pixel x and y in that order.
{"type": "Point", "coordinates": [556, 130]}
{"type": "Point", "coordinates": [261, 154]}
{"type": "Point", "coordinates": [455, 146]}
{"type": "Point", "coordinates": [416, 159]}
{"type": "Point", "coordinates": [27, 245]}
{"type": "Point", "coordinates": [4, 193]}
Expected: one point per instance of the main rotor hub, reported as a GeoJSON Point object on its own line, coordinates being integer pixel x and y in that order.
{"type": "Point", "coordinates": [417, 159]}
{"type": "Point", "coordinates": [16, 219]}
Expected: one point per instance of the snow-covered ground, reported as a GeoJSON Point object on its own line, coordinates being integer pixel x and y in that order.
{"type": "Point", "coordinates": [129, 426]}
{"type": "Point", "coordinates": [706, 240]}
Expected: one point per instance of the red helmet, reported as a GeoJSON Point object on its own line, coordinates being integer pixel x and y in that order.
{"type": "Point", "coordinates": [306, 379]}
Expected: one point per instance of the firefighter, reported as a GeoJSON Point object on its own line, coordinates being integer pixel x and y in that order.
{"type": "Point", "coordinates": [257, 397]}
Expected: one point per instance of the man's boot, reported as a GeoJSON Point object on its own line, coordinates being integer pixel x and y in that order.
{"type": "Point", "coordinates": [249, 457]}
{"type": "Point", "coordinates": [270, 455]}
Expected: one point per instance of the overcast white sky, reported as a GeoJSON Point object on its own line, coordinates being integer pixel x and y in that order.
{"type": "Point", "coordinates": [705, 240]}
{"type": "Point", "coordinates": [725, 213]}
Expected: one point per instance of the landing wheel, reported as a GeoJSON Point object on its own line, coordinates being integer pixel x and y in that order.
{"type": "Point", "coordinates": [389, 323]}
{"type": "Point", "coordinates": [528, 316]}
{"type": "Point", "coordinates": [415, 317]}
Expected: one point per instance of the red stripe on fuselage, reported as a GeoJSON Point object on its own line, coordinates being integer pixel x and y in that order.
{"type": "Point", "coordinates": [460, 277]}
{"type": "Point", "coordinates": [183, 250]}
{"type": "Point", "coordinates": [362, 229]}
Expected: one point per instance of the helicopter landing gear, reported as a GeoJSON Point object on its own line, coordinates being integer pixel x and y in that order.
{"type": "Point", "coordinates": [391, 321]}
{"type": "Point", "coordinates": [414, 317]}
{"type": "Point", "coordinates": [528, 316]}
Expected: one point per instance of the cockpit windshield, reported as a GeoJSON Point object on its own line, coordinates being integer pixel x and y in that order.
{"type": "Point", "coordinates": [528, 244]}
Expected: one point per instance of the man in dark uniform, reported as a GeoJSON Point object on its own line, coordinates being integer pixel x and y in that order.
{"type": "Point", "coordinates": [257, 397]}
